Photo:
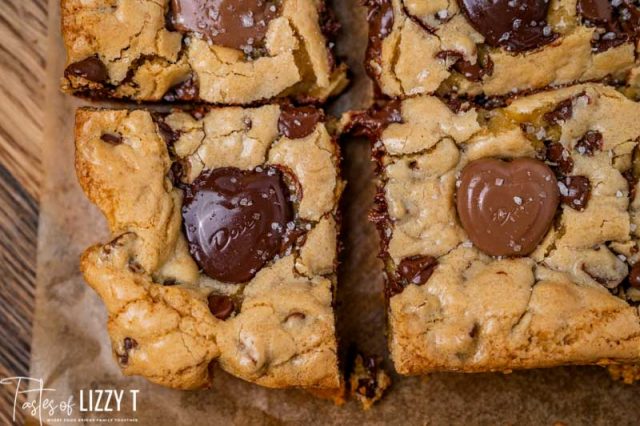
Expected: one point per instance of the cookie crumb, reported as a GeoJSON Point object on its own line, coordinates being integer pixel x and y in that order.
{"type": "Point", "coordinates": [368, 380]}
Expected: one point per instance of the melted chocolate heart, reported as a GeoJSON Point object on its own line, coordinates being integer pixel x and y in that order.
{"type": "Point", "coordinates": [507, 207]}
{"type": "Point", "coordinates": [516, 25]}
{"type": "Point", "coordinates": [239, 24]}
{"type": "Point", "coordinates": [235, 221]}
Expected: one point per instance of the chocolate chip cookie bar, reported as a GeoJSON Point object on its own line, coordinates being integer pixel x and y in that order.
{"type": "Point", "coordinates": [214, 51]}
{"type": "Point", "coordinates": [510, 236]}
{"type": "Point", "coordinates": [224, 227]}
{"type": "Point", "coordinates": [494, 48]}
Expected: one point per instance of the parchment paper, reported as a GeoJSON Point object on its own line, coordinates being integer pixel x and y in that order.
{"type": "Point", "coordinates": [71, 351]}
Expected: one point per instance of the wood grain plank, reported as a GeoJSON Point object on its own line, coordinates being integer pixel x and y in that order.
{"type": "Point", "coordinates": [23, 27]}
{"type": "Point", "coordinates": [18, 241]}
{"type": "Point", "coordinates": [23, 35]}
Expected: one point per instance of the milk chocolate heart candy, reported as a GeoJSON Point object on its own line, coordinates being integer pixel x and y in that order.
{"type": "Point", "coordinates": [235, 221]}
{"type": "Point", "coordinates": [506, 208]}
{"type": "Point", "coordinates": [516, 25]}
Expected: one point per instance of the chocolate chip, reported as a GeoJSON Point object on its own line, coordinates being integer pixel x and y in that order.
{"type": "Point", "coordinates": [380, 18]}
{"type": "Point", "coordinates": [199, 112]}
{"type": "Point", "coordinates": [176, 173]}
{"type": "Point", "coordinates": [557, 154]}
{"type": "Point", "coordinates": [491, 102]}
{"type": "Point", "coordinates": [372, 123]}
{"type": "Point", "coordinates": [575, 191]}
{"type": "Point", "coordinates": [602, 43]}
{"type": "Point", "coordinates": [300, 122]}
{"type": "Point", "coordinates": [128, 345]}
{"type": "Point", "coordinates": [590, 143]}
{"type": "Point", "coordinates": [112, 138]}
{"type": "Point", "coordinates": [457, 105]}
{"type": "Point", "coordinates": [515, 25]}
{"type": "Point", "coordinates": [561, 113]}
{"type": "Point", "coordinates": [472, 72]}
{"type": "Point", "coordinates": [417, 269]}
{"type": "Point", "coordinates": [634, 276]}
{"type": "Point", "coordinates": [294, 237]}
{"type": "Point", "coordinates": [169, 135]}
{"type": "Point", "coordinates": [379, 214]}
{"type": "Point", "coordinates": [235, 220]}
{"type": "Point", "coordinates": [238, 24]}
{"type": "Point", "coordinates": [628, 13]}
{"type": "Point", "coordinates": [596, 12]}
{"type": "Point", "coordinates": [473, 333]}
{"type": "Point", "coordinates": [619, 21]}
{"type": "Point", "coordinates": [221, 306]}
{"type": "Point", "coordinates": [632, 182]}
{"type": "Point", "coordinates": [367, 387]}
{"type": "Point", "coordinates": [506, 208]}
{"type": "Point", "coordinates": [186, 90]}
{"type": "Point", "coordinates": [393, 287]}
{"type": "Point", "coordinates": [91, 68]}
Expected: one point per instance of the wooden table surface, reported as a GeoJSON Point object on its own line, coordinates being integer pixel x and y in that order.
{"type": "Point", "coordinates": [23, 37]}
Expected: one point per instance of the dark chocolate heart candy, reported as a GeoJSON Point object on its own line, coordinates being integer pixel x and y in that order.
{"type": "Point", "coordinates": [235, 221]}
{"type": "Point", "coordinates": [506, 208]}
{"type": "Point", "coordinates": [239, 24]}
{"type": "Point", "coordinates": [516, 25]}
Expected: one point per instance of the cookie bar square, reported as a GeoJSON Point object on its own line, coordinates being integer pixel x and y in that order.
{"type": "Point", "coordinates": [510, 236]}
{"type": "Point", "coordinates": [494, 48]}
{"type": "Point", "coordinates": [223, 52]}
{"type": "Point", "coordinates": [224, 229]}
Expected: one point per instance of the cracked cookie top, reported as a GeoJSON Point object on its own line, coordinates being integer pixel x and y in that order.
{"type": "Point", "coordinates": [224, 242]}
{"type": "Point", "coordinates": [222, 52]}
{"type": "Point", "coordinates": [510, 236]}
{"type": "Point", "coordinates": [495, 48]}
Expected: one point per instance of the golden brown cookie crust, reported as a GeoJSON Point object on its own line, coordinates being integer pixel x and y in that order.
{"type": "Point", "coordinates": [143, 59]}
{"type": "Point", "coordinates": [408, 62]}
{"type": "Point", "coordinates": [283, 333]}
{"type": "Point", "coordinates": [566, 303]}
